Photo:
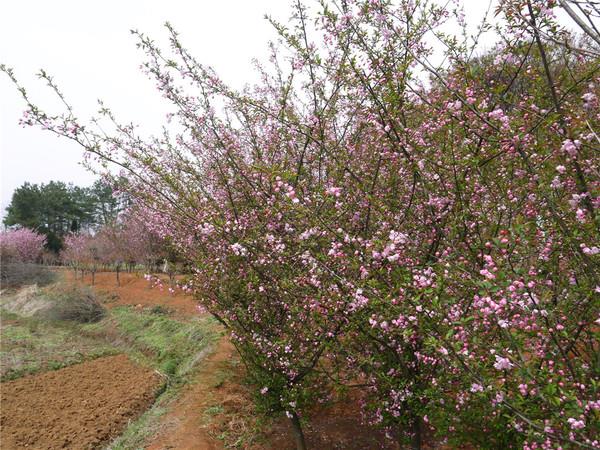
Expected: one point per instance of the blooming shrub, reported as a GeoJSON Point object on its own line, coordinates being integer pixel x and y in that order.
{"type": "Point", "coordinates": [21, 252]}
{"type": "Point", "coordinates": [21, 245]}
{"type": "Point", "coordinates": [347, 219]}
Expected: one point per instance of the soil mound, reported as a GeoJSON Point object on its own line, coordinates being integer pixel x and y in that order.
{"type": "Point", "coordinates": [79, 407]}
{"type": "Point", "coordinates": [25, 302]}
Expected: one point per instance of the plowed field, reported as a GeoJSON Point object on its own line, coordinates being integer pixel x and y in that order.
{"type": "Point", "coordinates": [78, 407]}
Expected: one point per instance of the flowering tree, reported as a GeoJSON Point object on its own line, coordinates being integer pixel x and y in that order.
{"type": "Point", "coordinates": [82, 251]}
{"type": "Point", "coordinates": [22, 245]}
{"type": "Point", "coordinates": [140, 243]}
{"type": "Point", "coordinates": [126, 241]}
{"type": "Point", "coordinates": [129, 241]}
{"type": "Point", "coordinates": [110, 248]}
{"type": "Point", "coordinates": [348, 218]}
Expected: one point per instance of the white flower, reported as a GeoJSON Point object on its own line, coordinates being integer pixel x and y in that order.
{"type": "Point", "coordinates": [398, 238]}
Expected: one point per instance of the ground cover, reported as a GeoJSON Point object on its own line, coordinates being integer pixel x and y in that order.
{"type": "Point", "coordinates": [151, 355]}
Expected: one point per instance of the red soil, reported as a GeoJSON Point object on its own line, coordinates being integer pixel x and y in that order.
{"type": "Point", "coordinates": [338, 426]}
{"type": "Point", "coordinates": [82, 406]}
{"type": "Point", "coordinates": [136, 291]}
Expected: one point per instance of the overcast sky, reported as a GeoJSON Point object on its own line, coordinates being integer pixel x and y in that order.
{"type": "Point", "coordinates": [89, 50]}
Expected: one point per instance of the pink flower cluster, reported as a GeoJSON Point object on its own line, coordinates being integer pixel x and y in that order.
{"type": "Point", "coordinates": [22, 244]}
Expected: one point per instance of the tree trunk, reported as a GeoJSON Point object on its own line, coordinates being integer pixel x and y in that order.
{"type": "Point", "coordinates": [417, 434]}
{"type": "Point", "coordinates": [93, 277]}
{"type": "Point", "coordinates": [297, 431]}
{"type": "Point", "coordinates": [118, 280]}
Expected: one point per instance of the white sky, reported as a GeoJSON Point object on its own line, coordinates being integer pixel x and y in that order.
{"type": "Point", "coordinates": [88, 49]}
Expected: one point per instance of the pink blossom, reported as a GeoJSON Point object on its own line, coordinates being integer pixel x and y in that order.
{"type": "Point", "coordinates": [502, 363]}
{"type": "Point", "coordinates": [576, 424]}
{"type": "Point", "coordinates": [22, 244]}
{"type": "Point", "coordinates": [570, 147]}
{"type": "Point", "coordinates": [476, 388]}
{"type": "Point", "coordinates": [335, 191]}
{"type": "Point", "coordinates": [239, 249]}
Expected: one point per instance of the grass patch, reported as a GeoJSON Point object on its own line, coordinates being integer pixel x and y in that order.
{"type": "Point", "coordinates": [232, 417]}
{"type": "Point", "coordinates": [214, 410]}
{"type": "Point", "coordinates": [30, 345]}
{"type": "Point", "coordinates": [75, 303]}
{"type": "Point", "coordinates": [168, 345]}
{"type": "Point", "coordinates": [16, 274]}
{"type": "Point", "coordinates": [160, 309]}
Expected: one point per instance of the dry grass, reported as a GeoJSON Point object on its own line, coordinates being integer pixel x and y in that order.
{"type": "Point", "coordinates": [232, 417]}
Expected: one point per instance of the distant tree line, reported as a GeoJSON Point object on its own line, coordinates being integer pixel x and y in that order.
{"type": "Point", "coordinates": [57, 208]}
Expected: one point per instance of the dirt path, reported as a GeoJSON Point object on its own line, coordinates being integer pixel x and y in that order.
{"type": "Point", "coordinates": [183, 427]}
{"type": "Point", "coordinates": [82, 406]}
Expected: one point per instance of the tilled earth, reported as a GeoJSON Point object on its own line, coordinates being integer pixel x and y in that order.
{"type": "Point", "coordinates": [78, 407]}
